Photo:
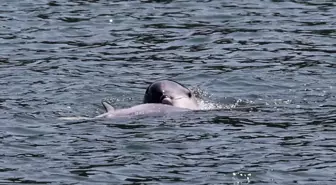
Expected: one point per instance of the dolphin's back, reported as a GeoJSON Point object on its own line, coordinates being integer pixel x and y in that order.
{"type": "Point", "coordinates": [142, 109]}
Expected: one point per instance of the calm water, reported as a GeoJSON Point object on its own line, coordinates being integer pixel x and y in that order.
{"type": "Point", "coordinates": [273, 62]}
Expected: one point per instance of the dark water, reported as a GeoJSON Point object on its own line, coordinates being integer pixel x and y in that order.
{"type": "Point", "coordinates": [62, 58]}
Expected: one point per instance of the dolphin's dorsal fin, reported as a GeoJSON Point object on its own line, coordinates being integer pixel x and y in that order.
{"type": "Point", "coordinates": [107, 106]}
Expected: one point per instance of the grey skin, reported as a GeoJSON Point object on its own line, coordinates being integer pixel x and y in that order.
{"type": "Point", "coordinates": [161, 97]}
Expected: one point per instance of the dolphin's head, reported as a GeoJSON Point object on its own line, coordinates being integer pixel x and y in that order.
{"type": "Point", "coordinates": [171, 93]}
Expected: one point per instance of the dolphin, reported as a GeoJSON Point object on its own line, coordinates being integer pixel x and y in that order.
{"type": "Point", "coordinates": [162, 97]}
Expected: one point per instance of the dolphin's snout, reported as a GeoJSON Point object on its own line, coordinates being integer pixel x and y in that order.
{"type": "Point", "coordinates": [166, 100]}
{"type": "Point", "coordinates": [163, 97]}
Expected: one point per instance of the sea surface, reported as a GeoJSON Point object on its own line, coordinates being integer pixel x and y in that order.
{"type": "Point", "coordinates": [264, 71]}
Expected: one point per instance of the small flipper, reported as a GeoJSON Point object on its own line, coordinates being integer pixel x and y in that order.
{"type": "Point", "coordinates": [107, 106]}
